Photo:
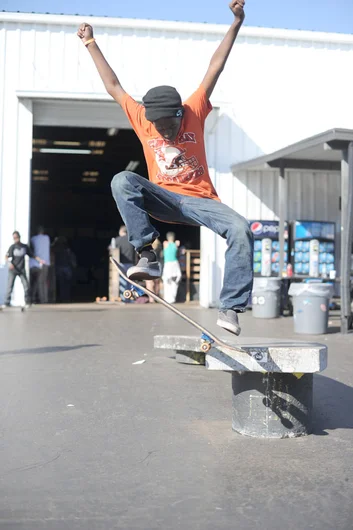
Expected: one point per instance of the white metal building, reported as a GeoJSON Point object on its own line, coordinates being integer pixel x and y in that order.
{"type": "Point", "coordinates": [279, 86]}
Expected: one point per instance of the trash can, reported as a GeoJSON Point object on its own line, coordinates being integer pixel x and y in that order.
{"type": "Point", "coordinates": [266, 297]}
{"type": "Point", "coordinates": [311, 307]}
{"type": "Point", "coordinates": [3, 283]}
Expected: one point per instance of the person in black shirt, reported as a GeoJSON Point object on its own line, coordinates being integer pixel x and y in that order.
{"type": "Point", "coordinates": [127, 250]}
{"type": "Point", "coordinates": [65, 265]}
{"type": "Point", "coordinates": [16, 256]}
{"type": "Point", "coordinates": [127, 257]}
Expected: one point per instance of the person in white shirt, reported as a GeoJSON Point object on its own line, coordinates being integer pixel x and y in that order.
{"type": "Point", "coordinates": [39, 271]}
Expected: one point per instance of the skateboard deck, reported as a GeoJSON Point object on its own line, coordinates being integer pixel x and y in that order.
{"type": "Point", "coordinates": [207, 338]}
{"type": "Point", "coordinates": [21, 308]}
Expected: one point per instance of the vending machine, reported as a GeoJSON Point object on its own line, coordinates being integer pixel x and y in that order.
{"type": "Point", "coordinates": [313, 250]}
{"type": "Point", "coordinates": [266, 247]}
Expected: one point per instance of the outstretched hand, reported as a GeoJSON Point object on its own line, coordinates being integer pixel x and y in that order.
{"type": "Point", "coordinates": [237, 8]}
{"type": "Point", "coordinates": [85, 32]}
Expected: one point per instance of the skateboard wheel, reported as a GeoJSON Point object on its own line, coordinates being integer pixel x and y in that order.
{"type": "Point", "coordinates": [206, 346]}
{"type": "Point", "coordinates": [127, 295]}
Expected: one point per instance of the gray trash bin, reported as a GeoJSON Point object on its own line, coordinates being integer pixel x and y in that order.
{"type": "Point", "coordinates": [266, 297]}
{"type": "Point", "coordinates": [3, 283]}
{"type": "Point", "coordinates": [311, 307]}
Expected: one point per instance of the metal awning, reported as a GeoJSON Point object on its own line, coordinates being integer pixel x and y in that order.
{"type": "Point", "coordinates": [318, 152]}
{"type": "Point", "coordinates": [328, 151]}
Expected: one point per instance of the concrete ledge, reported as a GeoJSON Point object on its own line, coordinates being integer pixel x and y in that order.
{"type": "Point", "coordinates": [177, 343]}
{"type": "Point", "coordinates": [264, 355]}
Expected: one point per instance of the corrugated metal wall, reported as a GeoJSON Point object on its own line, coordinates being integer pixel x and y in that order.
{"type": "Point", "coordinates": [310, 195]}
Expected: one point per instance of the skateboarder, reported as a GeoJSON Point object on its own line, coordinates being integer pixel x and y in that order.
{"type": "Point", "coordinates": [180, 189]}
{"type": "Point", "coordinates": [15, 257]}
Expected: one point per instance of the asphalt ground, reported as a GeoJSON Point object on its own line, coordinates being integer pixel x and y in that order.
{"type": "Point", "coordinates": [89, 440]}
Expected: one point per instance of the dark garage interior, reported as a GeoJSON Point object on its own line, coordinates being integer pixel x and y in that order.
{"type": "Point", "coordinates": [72, 169]}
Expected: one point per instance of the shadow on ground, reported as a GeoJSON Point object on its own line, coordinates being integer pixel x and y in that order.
{"type": "Point", "coordinates": [334, 329]}
{"type": "Point", "coordinates": [47, 349]}
{"type": "Point", "coordinates": [332, 405]}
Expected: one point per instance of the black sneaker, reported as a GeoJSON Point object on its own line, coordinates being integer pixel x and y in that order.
{"type": "Point", "coordinates": [147, 268]}
{"type": "Point", "coordinates": [228, 319]}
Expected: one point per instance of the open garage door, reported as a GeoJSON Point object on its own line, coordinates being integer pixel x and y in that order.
{"type": "Point", "coordinates": [71, 113]}
{"type": "Point", "coordinates": [77, 148]}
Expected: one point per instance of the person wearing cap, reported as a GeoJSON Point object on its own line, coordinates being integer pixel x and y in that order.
{"type": "Point", "coordinates": [179, 189]}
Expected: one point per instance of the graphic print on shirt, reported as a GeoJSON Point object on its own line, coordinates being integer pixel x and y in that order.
{"type": "Point", "coordinates": [19, 252]}
{"type": "Point", "coordinates": [173, 163]}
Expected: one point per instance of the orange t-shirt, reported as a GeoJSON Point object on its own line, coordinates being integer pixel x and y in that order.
{"type": "Point", "coordinates": [179, 166]}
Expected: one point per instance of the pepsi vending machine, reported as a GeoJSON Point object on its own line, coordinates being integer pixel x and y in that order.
{"type": "Point", "coordinates": [266, 247]}
{"type": "Point", "coordinates": [313, 248]}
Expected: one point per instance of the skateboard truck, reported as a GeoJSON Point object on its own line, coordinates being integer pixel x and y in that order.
{"type": "Point", "coordinates": [206, 343]}
{"type": "Point", "coordinates": [130, 293]}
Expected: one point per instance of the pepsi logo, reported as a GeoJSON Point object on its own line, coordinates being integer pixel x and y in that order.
{"type": "Point", "coordinates": [256, 228]}
{"type": "Point", "coordinates": [266, 227]}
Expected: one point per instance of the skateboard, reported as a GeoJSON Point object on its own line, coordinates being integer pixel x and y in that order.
{"type": "Point", "coordinates": [207, 338]}
{"type": "Point", "coordinates": [22, 308]}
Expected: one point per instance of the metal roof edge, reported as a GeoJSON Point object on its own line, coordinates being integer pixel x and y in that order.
{"type": "Point", "coordinates": [165, 25]}
{"type": "Point", "coordinates": [264, 160]}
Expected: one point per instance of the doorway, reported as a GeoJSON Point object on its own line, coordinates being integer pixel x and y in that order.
{"type": "Point", "coordinates": [72, 168]}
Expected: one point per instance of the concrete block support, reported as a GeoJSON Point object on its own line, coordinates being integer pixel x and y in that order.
{"type": "Point", "coordinates": [272, 405]}
{"type": "Point", "coordinates": [272, 384]}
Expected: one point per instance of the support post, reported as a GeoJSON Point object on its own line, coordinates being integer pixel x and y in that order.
{"type": "Point", "coordinates": [188, 274]}
{"type": "Point", "coordinates": [282, 210]}
{"type": "Point", "coordinates": [114, 276]}
{"type": "Point", "coordinates": [346, 236]}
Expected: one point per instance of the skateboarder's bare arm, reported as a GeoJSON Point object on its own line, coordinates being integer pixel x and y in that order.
{"type": "Point", "coordinates": [221, 55]}
{"type": "Point", "coordinates": [108, 76]}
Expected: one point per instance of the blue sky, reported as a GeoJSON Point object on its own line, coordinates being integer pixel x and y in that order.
{"type": "Point", "coordinates": [319, 15]}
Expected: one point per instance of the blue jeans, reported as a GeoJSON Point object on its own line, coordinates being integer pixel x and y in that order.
{"type": "Point", "coordinates": [11, 281]}
{"type": "Point", "coordinates": [137, 198]}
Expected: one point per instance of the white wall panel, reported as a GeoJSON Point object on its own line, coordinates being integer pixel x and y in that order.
{"type": "Point", "coordinates": [8, 154]}
{"type": "Point", "coordinates": [27, 68]}
{"type": "Point", "coordinates": [2, 111]}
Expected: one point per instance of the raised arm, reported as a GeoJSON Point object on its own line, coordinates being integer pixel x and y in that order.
{"type": "Point", "coordinates": [108, 76]}
{"type": "Point", "coordinates": [221, 55]}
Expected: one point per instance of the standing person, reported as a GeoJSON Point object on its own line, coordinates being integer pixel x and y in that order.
{"type": "Point", "coordinates": [16, 258]}
{"type": "Point", "coordinates": [65, 264]}
{"type": "Point", "coordinates": [39, 272]}
{"type": "Point", "coordinates": [180, 189]}
{"type": "Point", "coordinates": [127, 258]}
{"type": "Point", "coordinates": [127, 250]}
{"type": "Point", "coordinates": [171, 271]}
{"type": "Point", "coordinates": [154, 285]}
